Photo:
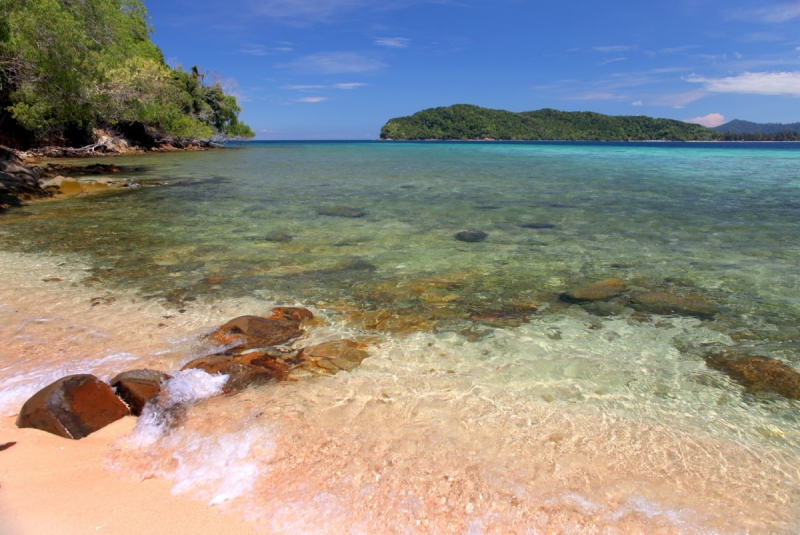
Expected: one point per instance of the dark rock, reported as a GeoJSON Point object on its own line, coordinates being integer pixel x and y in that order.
{"type": "Point", "coordinates": [7, 445]}
{"type": "Point", "coordinates": [597, 291]}
{"type": "Point", "coordinates": [758, 374]}
{"type": "Point", "coordinates": [500, 318]}
{"type": "Point", "coordinates": [137, 387]}
{"type": "Point", "coordinates": [342, 211]}
{"type": "Point", "coordinates": [471, 236]}
{"type": "Point", "coordinates": [358, 265]}
{"type": "Point", "coordinates": [17, 182]}
{"type": "Point", "coordinates": [278, 237]}
{"type": "Point", "coordinates": [540, 226]}
{"type": "Point", "coordinates": [487, 207]}
{"type": "Point", "coordinates": [664, 303]}
{"type": "Point", "coordinates": [248, 332]}
{"type": "Point", "coordinates": [72, 407]}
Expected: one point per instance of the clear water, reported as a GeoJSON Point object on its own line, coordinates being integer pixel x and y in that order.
{"type": "Point", "coordinates": [583, 419]}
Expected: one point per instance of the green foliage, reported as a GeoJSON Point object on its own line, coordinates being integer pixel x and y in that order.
{"type": "Point", "coordinates": [462, 122]}
{"type": "Point", "coordinates": [67, 66]}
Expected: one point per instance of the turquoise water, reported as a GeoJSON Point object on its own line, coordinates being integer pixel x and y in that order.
{"type": "Point", "coordinates": [458, 340]}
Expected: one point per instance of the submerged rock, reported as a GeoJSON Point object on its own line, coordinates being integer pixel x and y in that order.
{"type": "Point", "coordinates": [471, 236]}
{"type": "Point", "coordinates": [242, 370]}
{"type": "Point", "coordinates": [666, 304]}
{"type": "Point", "coordinates": [500, 318]}
{"type": "Point", "coordinates": [537, 226]}
{"type": "Point", "coordinates": [342, 211]}
{"type": "Point", "coordinates": [72, 407]}
{"type": "Point", "coordinates": [758, 374]}
{"type": "Point", "coordinates": [278, 237]}
{"type": "Point", "coordinates": [597, 291]}
{"type": "Point", "coordinates": [330, 358]}
{"type": "Point", "coordinates": [137, 387]}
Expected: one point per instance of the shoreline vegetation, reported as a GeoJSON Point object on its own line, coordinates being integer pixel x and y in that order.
{"type": "Point", "coordinates": [84, 78]}
{"type": "Point", "coordinates": [465, 122]}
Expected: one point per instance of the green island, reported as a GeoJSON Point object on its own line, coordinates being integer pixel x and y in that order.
{"type": "Point", "coordinates": [468, 122]}
{"type": "Point", "coordinates": [73, 71]}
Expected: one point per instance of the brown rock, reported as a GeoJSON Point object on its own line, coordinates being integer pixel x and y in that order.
{"type": "Point", "coordinates": [330, 358]}
{"type": "Point", "coordinates": [500, 318]}
{"type": "Point", "coordinates": [72, 407]}
{"type": "Point", "coordinates": [759, 374]}
{"type": "Point", "coordinates": [242, 370]}
{"type": "Point", "coordinates": [292, 313]}
{"type": "Point", "coordinates": [664, 303]}
{"type": "Point", "coordinates": [598, 291]}
{"type": "Point", "coordinates": [248, 332]}
{"type": "Point", "coordinates": [137, 387]}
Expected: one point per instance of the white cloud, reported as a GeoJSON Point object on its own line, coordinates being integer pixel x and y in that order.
{"type": "Point", "coordinates": [711, 120]}
{"type": "Point", "coordinates": [335, 63]}
{"type": "Point", "coordinates": [620, 48]}
{"type": "Point", "coordinates": [607, 61]}
{"type": "Point", "coordinates": [312, 100]}
{"type": "Point", "coordinates": [393, 42]}
{"type": "Point", "coordinates": [351, 85]}
{"type": "Point", "coordinates": [637, 103]}
{"type": "Point", "coordinates": [753, 83]}
{"type": "Point", "coordinates": [777, 13]}
{"type": "Point", "coordinates": [303, 87]}
{"type": "Point", "coordinates": [294, 11]}
{"type": "Point", "coordinates": [261, 50]}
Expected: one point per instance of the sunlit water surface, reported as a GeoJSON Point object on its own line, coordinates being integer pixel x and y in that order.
{"type": "Point", "coordinates": [566, 419]}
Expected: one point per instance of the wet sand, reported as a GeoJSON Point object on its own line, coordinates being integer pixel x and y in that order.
{"type": "Point", "coordinates": [50, 485]}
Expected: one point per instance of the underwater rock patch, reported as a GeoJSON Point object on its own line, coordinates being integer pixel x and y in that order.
{"type": "Point", "coordinates": [72, 407]}
{"type": "Point", "coordinates": [471, 236]}
{"type": "Point", "coordinates": [537, 226]}
{"type": "Point", "coordinates": [597, 291]}
{"type": "Point", "coordinates": [342, 211]}
{"type": "Point", "coordinates": [666, 304]}
{"type": "Point", "coordinates": [278, 237]}
{"type": "Point", "coordinates": [758, 374]}
{"type": "Point", "coordinates": [137, 387]}
{"type": "Point", "coordinates": [500, 318]}
{"type": "Point", "coordinates": [330, 358]}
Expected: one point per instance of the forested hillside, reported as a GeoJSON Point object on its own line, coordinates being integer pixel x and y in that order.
{"type": "Point", "coordinates": [70, 66]}
{"type": "Point", "coordinates": [464, 121]}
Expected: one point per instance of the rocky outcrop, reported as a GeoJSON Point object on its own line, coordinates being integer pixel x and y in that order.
{"type": "Point", "coordinates": [597, 291]}
{"type": "Point", "coordinates": [758, 374]}
{"type": "Point", "coordinates": [17, 182]}
{"type": "Point", "coordinates": [72, 407]}
{"type": "Point", "coordinates": [666, 304]}
{"type": "Point", "coordinates": [137, 387]}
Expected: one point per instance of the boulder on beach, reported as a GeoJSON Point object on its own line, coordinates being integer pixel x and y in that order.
{"type": "Point", "coordinates": [137, 387]}
{"type": "Point", "coordinates": [471, 236]}
{"type": "Point", "coordinates": [248, 332]}
{"type": "Point", "coordinates": [17, 182]}
{"type": "Point", "coordinates": [758, 374]}
{"type": "Point", "coordinates": [242, 370]}
{"type": "Point", "coordinates": [72, 407]}
{"type": "Point", "coordinates": [666, 304]}
{"type": "Point", "coordinates": [596, 291]}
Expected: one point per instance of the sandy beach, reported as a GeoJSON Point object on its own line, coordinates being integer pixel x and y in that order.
{"type": "Point", "coordinates": [50, 485]}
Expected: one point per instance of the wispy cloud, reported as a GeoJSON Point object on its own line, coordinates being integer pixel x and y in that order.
{"type": "Point", "coordinates": [613, 60]}
{"type": "Point", "coordinates": [348, 86]}
{"type": "Point", "coordinates": [335, 63]}
{"type": "Point", "coordinates": [775, 14]}
{"type": "Point", "coordinates": [607, 49]}
{"type": "Point", "coordinates": [300, 11]}
{"type": "Point", "coordinates": [262, 50]}
{"type": "Point", "coordinates": [637, 103]}
{"type": "Point", "coordinates": [676, 100]}
{"type": "Point", "coordinates": [312, 100]}
{"type": "Point", "coordinates": [753, 83]}
{"type": "Point", "coordinates": [677, 49]}
{"type": "Point", "coordinates": [711, 120]}
{"type": "Point", "coordinates": [393, 42]}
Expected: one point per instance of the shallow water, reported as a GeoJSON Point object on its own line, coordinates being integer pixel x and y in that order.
{"type": "Point", "coordinates": [474, 414]}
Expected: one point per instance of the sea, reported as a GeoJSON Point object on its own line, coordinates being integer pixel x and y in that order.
{"type": "Point", "coordinates": [488, 403]}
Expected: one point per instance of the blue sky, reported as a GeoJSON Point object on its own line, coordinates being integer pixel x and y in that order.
{"type": "Point", "coordinates": [339, 69]}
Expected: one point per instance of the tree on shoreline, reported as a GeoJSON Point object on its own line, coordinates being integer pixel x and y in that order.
{"type": "Point", "coordinates": [69, 66]}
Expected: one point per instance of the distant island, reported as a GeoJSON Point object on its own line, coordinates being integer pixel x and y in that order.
{"type": "Point", "coordinates": [738, 126]}
{"type": "Point", "coordinates": [468, 122]}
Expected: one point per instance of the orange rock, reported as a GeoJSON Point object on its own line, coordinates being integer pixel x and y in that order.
{"type": "Point", "coordinates": [215, 279]}
{"type": "Point", "coordinates": [248, 332]}
{"type": "Point", "coordinates": [292, 313]}
{"type": "Point", "coordinates": [664, 303]}
{"type": "Point", "coordinates": [137, 387]}
{"type": "Point", "coordinates": [759, 374]}
{"type": "Point", "coordinates": [330, 358]}
{"type": "Point", "coordinates": [597, 291]}
{"type": "Point", "coordinates": [72, 407]}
